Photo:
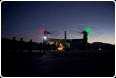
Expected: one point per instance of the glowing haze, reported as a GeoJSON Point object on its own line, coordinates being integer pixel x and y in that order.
{"type": "Point", "coordinates": [30, 19]}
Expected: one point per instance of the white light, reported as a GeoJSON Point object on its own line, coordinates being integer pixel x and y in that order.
{"type": "Point", "coordinates": [99, 48]}
{"type": "Point", "coordinates": [45, 37]}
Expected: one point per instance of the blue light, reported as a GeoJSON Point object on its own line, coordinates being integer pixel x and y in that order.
{"type": "Point", "coordinates": [70, 40]}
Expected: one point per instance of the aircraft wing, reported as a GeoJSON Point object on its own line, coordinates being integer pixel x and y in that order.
{"type": "Point", "coordinates": [74, 40]}
{"type": "Point", "coordinates": [55, 40]}
{"type": "Point", "coordinates": [68, 40]}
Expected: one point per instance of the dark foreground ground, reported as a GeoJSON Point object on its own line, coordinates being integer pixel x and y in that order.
{"type": "Point", "coordinates": [80, 63]}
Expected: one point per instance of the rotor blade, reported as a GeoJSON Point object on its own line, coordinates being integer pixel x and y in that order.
{"type": "Point", "coordinates": [75, 33]}
{"type": "Point", "coordinates": [96, 34]}
{"type": "Point", "coordinates": [81, 27]}
{"type": "Point", "coordinates": [92, 30]}
{"type": "Point", "coordinates": [55, 33]}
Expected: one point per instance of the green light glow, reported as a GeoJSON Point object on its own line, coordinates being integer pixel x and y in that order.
{"type": "Point", "coordinates": [87, 30]}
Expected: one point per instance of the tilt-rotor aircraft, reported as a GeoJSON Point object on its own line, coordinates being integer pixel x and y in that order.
{"type": "Point", "coordinates": [64, 43]}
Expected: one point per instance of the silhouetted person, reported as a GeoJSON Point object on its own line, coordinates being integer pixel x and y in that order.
{"type": "Point", "coordinates": [54, 46]}
{"type": "Point", "coordinates": [30, 46]}
{"type": "Point", "coordinates": [14, 45]}
{"type": "Point", "coordinates": [44, 47]}
{"type": "Point", "coordinates": [21, 45]}
{"type": "Point", "coordinates": [41, 47]}
{"type": "Point", "coordinates": [48, 47]}
{"type": "Point", "coordinates": [85, 38]}
{"type": "Point", "coordinates": [38, 46]}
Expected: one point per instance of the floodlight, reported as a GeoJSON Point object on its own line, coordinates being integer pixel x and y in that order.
{"type": "Point", "coordinates": [45, 37]}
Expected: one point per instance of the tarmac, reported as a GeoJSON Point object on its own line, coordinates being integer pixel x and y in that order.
{"type": "Point", "coordinates": [79, 63]}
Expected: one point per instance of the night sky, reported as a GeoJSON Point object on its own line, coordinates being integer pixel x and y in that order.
{"type": "Point", "coordinates": [21, 19]}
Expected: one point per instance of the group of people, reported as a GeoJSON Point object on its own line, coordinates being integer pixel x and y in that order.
{"type": "Point", "coordinates": [21, 45]}
{"type": "Point", "coordinates": [43, 46]}
{"type": "Point", "coordinates": [46, 47]}
{"type": "Point", "coordinates": [40, 47]}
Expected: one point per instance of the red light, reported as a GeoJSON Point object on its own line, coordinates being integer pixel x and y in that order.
{"type": "Point", "coordinates": [41, 30]}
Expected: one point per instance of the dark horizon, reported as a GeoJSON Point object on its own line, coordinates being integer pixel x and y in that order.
{"type": "Point", "coordinates": [52, 42]}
